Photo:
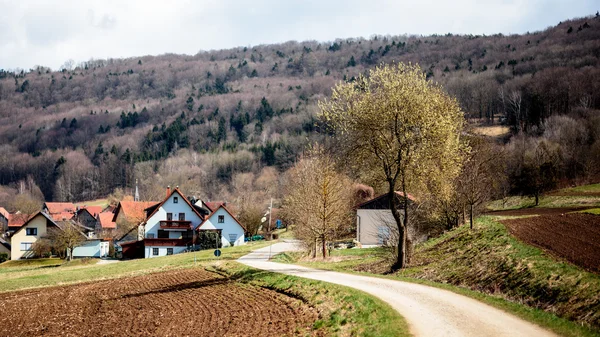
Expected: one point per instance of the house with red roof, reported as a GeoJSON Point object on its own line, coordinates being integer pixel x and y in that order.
{"type": "Point", "coordinates": [60, 211]}
{"type": "Point", "coordinates": [172, 225]}
{"type": "Point", "coordinates": [105, 226]}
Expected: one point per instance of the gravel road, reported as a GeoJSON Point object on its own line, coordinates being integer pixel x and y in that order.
{"type": "Point", "coordinates": [429, 311]}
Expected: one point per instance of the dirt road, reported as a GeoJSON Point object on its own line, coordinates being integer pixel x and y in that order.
{"type": "Point", "coordinates": [429, 311]}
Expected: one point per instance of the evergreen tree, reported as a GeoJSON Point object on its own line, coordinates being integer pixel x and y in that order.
{"type": "Point", "coordinates": [222, 130]}
{"type": "Point", "coordinates": [352, 62]}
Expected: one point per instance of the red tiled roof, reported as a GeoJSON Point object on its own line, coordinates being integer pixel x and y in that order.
{"type": "Point", "coordinates": [94, 210]}
{"type": "Point", "coordinates": [60, 207]}
{"type": "Point", "coordinates": [62, 216]}
{"type": "Point", "coordinates": [134, 210]}
{"type": "Point", "coordinates": [17, 220]}
{"type": "Point", "coordinates": [409, 196]}
{"type": "Point", "coordinates": [214, 205]}
{"type": "Point", "coordinates": [4, 212]}
{"type": "Point", "coordinates": [105, 220]}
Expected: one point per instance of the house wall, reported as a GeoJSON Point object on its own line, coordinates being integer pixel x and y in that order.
{"type": "Point", "coordinates": [90, 248]}
{"type": "Point", "coordinates": [20, 236]}
{"type": "Point", "coordinates": [162, 251]}
{"type": "Point", "coordinates": [87, 220]}
{"type": "Point", "coordinates": [373, 226]}
{"type": "Point", "coordinates": [5, 250]}
{"type": "Point", "coordinates": [229, 227]}
{"type": "Point", "coordinates": [153, 224]}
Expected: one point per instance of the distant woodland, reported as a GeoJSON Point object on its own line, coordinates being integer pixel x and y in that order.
{"type": "Point", "coordinates": [223, 123]}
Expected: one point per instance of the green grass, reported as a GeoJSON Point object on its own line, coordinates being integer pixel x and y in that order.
{"type": "Point", "coordinates": [40, 273]}
{"type": "Point", "coordinates": [550, 201]}
{"type": "Point", "coordinates": [343, 311]}
{"type": "Point", "coordinates": [491, 266]}
{"type": "Point", "coordinates": [98, 202]}
{"type": "Point", "coordinates": [593, 188]}
{"type": "Point", "coordinates": [591, 211]}
{"type": "Point", "coordinates": [284, 234]}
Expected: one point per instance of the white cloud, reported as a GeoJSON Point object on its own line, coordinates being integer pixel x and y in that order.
{"type": "Point", "coordinates": [37, 32]}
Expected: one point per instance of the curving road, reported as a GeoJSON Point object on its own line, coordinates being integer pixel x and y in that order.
{"type": "Point", "coordinates": [429, 311]}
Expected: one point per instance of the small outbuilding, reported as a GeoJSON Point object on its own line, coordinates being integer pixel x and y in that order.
{"type": "Point", "coordinates": [374, 221]}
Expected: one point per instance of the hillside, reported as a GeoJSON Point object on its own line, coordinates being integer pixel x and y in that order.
{"type": "Point", "coordinates": [199, 120]}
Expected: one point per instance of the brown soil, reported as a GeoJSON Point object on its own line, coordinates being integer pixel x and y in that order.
{"type": "Point", "coordinates": [575, 237]}
{"type": "Point", "coordinates": [536, 211]}
{"type": "Point", "coordinates": [189, 302]}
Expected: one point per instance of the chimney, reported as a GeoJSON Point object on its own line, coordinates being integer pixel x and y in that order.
{"type": "Point", "coordinates": [168, 190]}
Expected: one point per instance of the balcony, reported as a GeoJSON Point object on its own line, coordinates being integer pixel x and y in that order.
{"type": "Point", "coordinates": [167, 242]}
{"type": "Point", "coordinates": [176, 224]}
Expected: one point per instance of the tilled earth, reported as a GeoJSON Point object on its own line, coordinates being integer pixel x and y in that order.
{"type": "Point", "coordinates": [575, 237]}
{"type": "Point", "coordinates": [191, 302]}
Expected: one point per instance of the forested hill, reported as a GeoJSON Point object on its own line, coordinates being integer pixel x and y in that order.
{"type": "Point", "coordinates": [81, 132]}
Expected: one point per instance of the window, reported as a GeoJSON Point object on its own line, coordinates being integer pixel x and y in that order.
{"type": "Point", "coordinates": [169, 251]}
{"type": "Point", "coordinates": [162, 234]}
{"type": "Point", "coordinates": [175, 200]}
{"type": "Point", "coordinates": [181, 216]}
{"type": "Point", "coordinates": [155, 251]}
{"type": "Point", "coordinates": [221, 219]}
{"type": "Point", "coordinates": [31, 231]}
{"type": "Point", "coordinates": [150, 236]}
{"type": "Point", "coordinates": [169, 216]}
{"type": "Point", "coordinates": [26, 246]}
{"type": "Point", "coordinates": [187, 235]}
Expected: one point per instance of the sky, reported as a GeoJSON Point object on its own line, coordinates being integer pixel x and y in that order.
{"type": "Point", "coordinates": [48, 33]}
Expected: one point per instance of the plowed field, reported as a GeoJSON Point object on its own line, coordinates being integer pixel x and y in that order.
{"type": "Point", "coordinates": [575, 237]}
{"type": "Point", "coordinates": [189, 302]}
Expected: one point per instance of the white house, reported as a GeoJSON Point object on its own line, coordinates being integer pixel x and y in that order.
{"type": "Point", "coordinates": [375, 225]}
{"type": "Point", "coordinates": [221, 220]}
{"type": "Point", "coordinates": [171, 225]}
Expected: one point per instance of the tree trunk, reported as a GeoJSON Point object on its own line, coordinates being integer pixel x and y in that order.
{"type": "Point", "coordinates": [471, 215]}
{"type": "Point", "coordinates": [324, 246]}
{"type": "Point", "coordinates": [314, 250]}
{"type": "Point", "coordinates": [401, 223]}
{"type": "Point", "coordinates": [537, 198]}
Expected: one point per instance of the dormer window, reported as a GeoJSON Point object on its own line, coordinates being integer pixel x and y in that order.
{"type": "Point", "coordinates": [175, 200]}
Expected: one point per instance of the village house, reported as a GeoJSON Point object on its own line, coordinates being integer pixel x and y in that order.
{"type": "Point", "coordinates": [59, 211]}
{"type": "Point", "coordinates": [87, 216]}
{"type": "Point", "coordinates": [128, 215]}
{"type": "Point", "coordinates": [37, 227]}
{"type": "Point", "coordinates": [374, 221]}
{"type": "Point", "coordinates": [230, 230]}
{"type": "Point", "coordinates": [28, 233]}
{"type": "Point", "coordinates": [172, 225]}
{"type": "Point", "coordinates": [105, 226]}
{"type": "Point", "coordinates": [169, 227]}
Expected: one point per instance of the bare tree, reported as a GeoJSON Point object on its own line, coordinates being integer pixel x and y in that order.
{"type": "Point", "coordinates": [66, 237]}
{"type": "Point", "coordinates": [318, 200]}
{"type": "Point", "coordinates": [514, 101]}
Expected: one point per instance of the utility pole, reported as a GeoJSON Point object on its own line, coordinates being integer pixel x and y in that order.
{"type": "Point", "coordinates": [270, 212]}
{"type": "Point", "coordinates": [270, 233]}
